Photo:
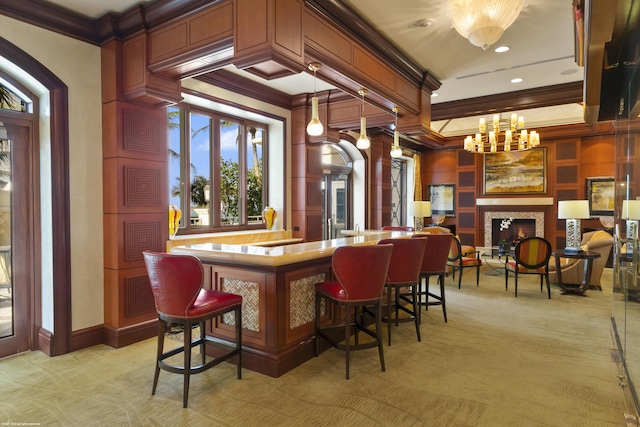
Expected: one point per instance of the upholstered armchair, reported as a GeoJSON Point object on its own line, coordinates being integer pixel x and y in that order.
{"type": "Point", "coordinates": [465, 249]}
{"type": "Point", "coordinates": [572, 270]}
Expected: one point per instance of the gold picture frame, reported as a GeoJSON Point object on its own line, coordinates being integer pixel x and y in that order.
{"type": "Point", "coordinates": [516, 172]}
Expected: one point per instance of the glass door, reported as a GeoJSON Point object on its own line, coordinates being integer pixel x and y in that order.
{"type": "Point", "coordinates": [335, 205]}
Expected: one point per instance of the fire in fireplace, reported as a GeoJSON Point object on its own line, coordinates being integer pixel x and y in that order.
{"type": "Point", "coordinates": [511, 230]}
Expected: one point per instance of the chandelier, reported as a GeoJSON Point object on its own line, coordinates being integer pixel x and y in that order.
{"type": "Point", "coordinates": [482, 22]}
{"type": "Point", "coordinates": [515, 138]}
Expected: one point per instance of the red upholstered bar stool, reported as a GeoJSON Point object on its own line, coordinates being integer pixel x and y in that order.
{"type": "Point", "coordinates": [402, 280]}
{"type": "Point", "coordinates": [360, 273]}
{"type": "Point", "coordinates": [434, 263]}
{"type": "Point", "coordinates": [176, 282]}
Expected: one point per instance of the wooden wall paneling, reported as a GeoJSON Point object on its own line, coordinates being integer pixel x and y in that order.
{"type": "Point", "coordinates": [191, 44]}
{"type": "Point", "coordinates": [139, 83]}
{"type": "Point", "coordinates": [268, 36]}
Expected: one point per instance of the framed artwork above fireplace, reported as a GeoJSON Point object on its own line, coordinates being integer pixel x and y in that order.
{"type": "Point", "coordinates": [516, 172]}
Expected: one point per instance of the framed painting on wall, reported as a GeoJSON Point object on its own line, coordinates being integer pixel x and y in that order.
{"type": "Point", "coordinates": [516, 172]}
{"type": "Point", "coordinates": [600, 194]}
{"type": "Point", "coordinates": [442, 198]}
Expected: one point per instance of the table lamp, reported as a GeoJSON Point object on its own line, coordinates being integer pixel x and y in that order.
{"type": "Point", "coordinates": [420, 210]}
{"type": "Point", "coordinates": [631, 213]}
{"type": "Point", "coordinates": [573, 211]}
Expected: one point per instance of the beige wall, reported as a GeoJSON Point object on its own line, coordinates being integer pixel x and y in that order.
{"type": "Point", "coordinates": [77, 64]}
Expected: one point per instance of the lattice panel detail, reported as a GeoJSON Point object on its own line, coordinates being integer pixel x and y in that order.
{"type": "Point", "coordinates": [302, 300]}
{"type": "Point", "coordinates": [250, 292]}
{"type": "Point", "coordinates": [142, 132]}
{"type": "Point", "coordinates": [138, 298]}
{"type": "Point", "coordinates": [140, 236]}
{"type": "Point", "coordinates": [142, 186]}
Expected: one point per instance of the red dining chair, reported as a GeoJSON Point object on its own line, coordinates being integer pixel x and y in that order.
{"type": "Point", "coordinates": [360, 273]}
{"type": "Point", "coordinates": [434, 263]}
{"type": "Point", "coordinates": [531, 256]}
{"type": "Point", "coordinates": [176, 282]}
{"type": "Point", "coordinates": [458, 261]}
{"type": "Point", "coordinates": [396, 228]}
{"type": "Point", "coordinates": [402, 280]}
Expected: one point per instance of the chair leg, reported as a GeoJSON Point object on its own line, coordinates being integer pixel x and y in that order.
{"type": "Point", "coordinates": [162, 328]}
{"type": "Point", "coordinates": [442, 298]}
{"type": "Point", "coordinates": [238, 314]}
{"type": "Point", "coordinates": [506, 279]}
{"type": "Point", "coordinates": [416, 309]}
{"type": "Point", "coordinates": [389, 313]}
{"type": "Point", "coordinates": [347, 336]}
{"type": "Point", "coordinates": [317, 326]}
{"type": "Point", "coordinates": [378, 312]}
{"type": "Point", "coordinates": [187, 363]}
{"type": "Point", "coordinates": [478, 275]}
{"type": "Point", "coordinates": [460, 277]}
{"type": "Point", "coordinates": [516, 276]}
{"type": "Point", "coordinates": [203, 350]}
{"type": "Point", "coordinates": [548, 286]}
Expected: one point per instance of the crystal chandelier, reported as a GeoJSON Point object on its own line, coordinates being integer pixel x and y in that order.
{"type": "Point", "coordinates": [515, 138]}
{"type": "Point", "coordinates": [482, 22]}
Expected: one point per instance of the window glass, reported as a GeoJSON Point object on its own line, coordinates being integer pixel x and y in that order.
{"type": "Point", "coordinates": [222, 160]}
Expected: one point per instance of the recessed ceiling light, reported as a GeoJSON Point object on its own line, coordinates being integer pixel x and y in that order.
{"type": "Point", "coordinates": [434, 94]}
{"type": "Point", "coordinates": [568, 72]}
{"type": "Point", "coordinates": [502, 49]}
{"type": "Point", "coordinates": [516, 80]}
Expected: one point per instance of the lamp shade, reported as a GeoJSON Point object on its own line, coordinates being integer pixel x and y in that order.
{"type": "Point", "coordinates": [482, 22]}
{"type": "Point", "coordinates": [573, 209]}
{"type": "Point", "coordinates": [630, 209]}
{"type": "Point", "coordinates": [421, 209]}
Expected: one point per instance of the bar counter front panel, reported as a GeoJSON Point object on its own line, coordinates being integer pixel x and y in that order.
{"type": "Point", "coordinates": [277, 288]}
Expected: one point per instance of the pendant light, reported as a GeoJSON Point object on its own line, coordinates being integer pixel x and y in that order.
{"type": "Point", "coordinates": [363, 142]}
{"type": "Point", "coordinates": [396, 151]}
{"type": "Point", "coordinates": [314, 128]}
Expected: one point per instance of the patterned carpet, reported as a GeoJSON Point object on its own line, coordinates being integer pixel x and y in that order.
{"type": "Point", "coordinates": [499, 361]}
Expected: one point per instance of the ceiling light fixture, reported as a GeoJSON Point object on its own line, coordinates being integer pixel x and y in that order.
{"type": "Point", "coordinates": [314, 128]}
{"type": "Point", "coordinates": [516, 138]}
{"type": "Point", "coordinates": [483, 22]}
{"type": "Point", "coordinates": [396, 151]}
{"type": "Point", "coordinates": [363, 141]}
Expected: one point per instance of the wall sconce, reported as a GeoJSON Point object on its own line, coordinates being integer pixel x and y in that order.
{"type": "Point", "coordinates": [396, 151]}
{"type": "Point", "coordinates": [420, 210]}
{"type": "Point", "coordinates": [573, 211]}
{"type": "Point", "coordinates": [314, 128]}
{"type": "Point", "coordinates": [631, 213]}
{"type": "Point", "coordinates": [363, 141]}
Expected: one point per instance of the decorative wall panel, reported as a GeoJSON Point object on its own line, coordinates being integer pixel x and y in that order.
{"type": "Point", "coordinates": [466, 199]}
{"type": "Point", "coordinates": [302, 300]}
{"type": "Point", "coordinates": [250, 292]}
{"type": "Point", "coordinates": [138, 297]}
{"type": "Point", "coordinates": [567, 175]}
{"type": "Point", "coordinates": [143, 133]}
{"type": "Point", "coordinates": [140, 236]}
{"type": "Point", "coordinates": [141, 186]}
{"type": "Point", "coordinates": [567, 150]}
{"type": "Point", "coordinates": [466, 220]}
{"type": "Point", "coordinates": [467, 179]}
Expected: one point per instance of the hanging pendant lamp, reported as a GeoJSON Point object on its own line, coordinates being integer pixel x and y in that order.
{"type": "Point", "coordinates": [396, 151]}
{"type": "Point", "coordinates": [314, 128]}
{"type": "Point", "coordinates": [363, 142]}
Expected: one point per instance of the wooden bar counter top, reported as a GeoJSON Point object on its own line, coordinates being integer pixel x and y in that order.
{"type": "Point", "coordinates": [277, 284]}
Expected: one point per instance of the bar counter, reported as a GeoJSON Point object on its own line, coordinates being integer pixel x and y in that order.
{"type": "Point", "coordinates": [277, 287]}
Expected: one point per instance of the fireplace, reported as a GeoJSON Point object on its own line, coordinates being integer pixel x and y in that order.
{"type": "Point", "coordinates": [511, 230]}
{"type": "Point", "coordinates": [511, 226]}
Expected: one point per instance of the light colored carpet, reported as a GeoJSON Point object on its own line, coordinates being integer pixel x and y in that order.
{"type": "Point", "coordinates": [499, 361]}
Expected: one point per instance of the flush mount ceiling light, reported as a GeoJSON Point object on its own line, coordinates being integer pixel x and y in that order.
{"type": "Point", "coordinates": [396, 151]}
{"type": "Point", "coordinates": [314, 128]}
{"type": "Point", "coordinates": [482, 22]}
{"type": "Point", "coordinates": [363, 142]}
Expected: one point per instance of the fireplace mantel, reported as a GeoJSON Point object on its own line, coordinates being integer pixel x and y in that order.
{"type": "Point", "coordinates": [515, 201]}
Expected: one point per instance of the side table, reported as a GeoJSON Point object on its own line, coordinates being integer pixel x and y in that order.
{"type": "Point", "coordinates": [588, 258]}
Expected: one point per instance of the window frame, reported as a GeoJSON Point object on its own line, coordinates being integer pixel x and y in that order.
{"type": "Point", "coordinates": [216, 118]}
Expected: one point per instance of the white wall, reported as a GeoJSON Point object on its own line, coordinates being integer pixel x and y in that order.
{"type": "Point", "coordinates": [77, 64]}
